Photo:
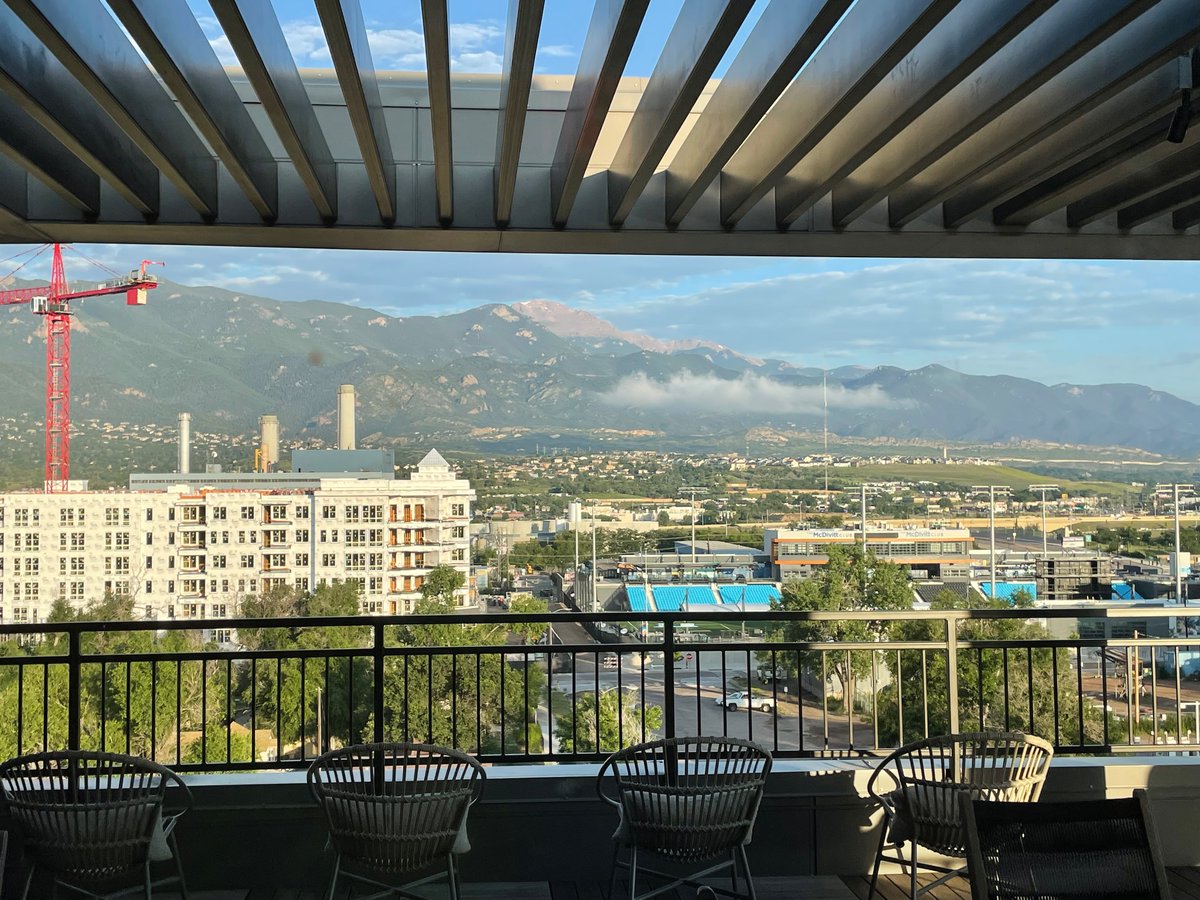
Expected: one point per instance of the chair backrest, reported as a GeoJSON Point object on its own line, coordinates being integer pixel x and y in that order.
{"type": "Point", "coordinates": [87, 814]}
{"type": "Point", "coordinates": [927, 778]}
{"type": "Point", "coordinates": [395, 807]}
{"type": "Point", "coordinates": [688, 798]}
{"type": "Point", "coordinates": [1083, 849]}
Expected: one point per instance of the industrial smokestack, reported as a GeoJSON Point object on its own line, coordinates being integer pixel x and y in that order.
{"type": "Point", "coordinates": [185, 443]}
{"type": "Point", "coordinates": [268, 427]}
{"type": "Point", "coordinates": [345, 417]}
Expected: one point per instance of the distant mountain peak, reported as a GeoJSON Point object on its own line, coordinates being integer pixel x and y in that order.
{"type": "Point", "coordinates": [568, 322]}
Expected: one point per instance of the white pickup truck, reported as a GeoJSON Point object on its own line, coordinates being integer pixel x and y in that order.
{"type": "Point", "coordinates": [746, 700]}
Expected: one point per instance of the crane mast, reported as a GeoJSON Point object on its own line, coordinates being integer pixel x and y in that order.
{"type": "Point", "coordinates": [52, 303]}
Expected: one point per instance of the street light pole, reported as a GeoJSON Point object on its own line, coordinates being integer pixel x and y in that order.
{"type": "Point", "coordinates": [1178, 569]}
{"type": "Point", "coordinates": [864, 516]}
{"type": "Point", "coordinates": [595, 573]}
{"type": "Point", "coordinates": [693, 530]}
{"type": "Point", "coordinates": [992, 535]}
{"type": "Point", "coordinates": [1042, 489]}
{"type": "Point", "coordinates": [578, 507]}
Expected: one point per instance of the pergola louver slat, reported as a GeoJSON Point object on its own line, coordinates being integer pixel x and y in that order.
{"type": "Point", "coordinates": [1034, 183]}
{"type": "Point", "coordinates": [1112, 66]}
{"type": "Point", "coordinates": [346, 36]}
{"type": "Point", "coordinates": [782, 40]}
{"type": "Point", "coordinates": [865, 47]}
{"type": "Point", "coordinates": [437, 70]}
{"type": "Point", "coordinates": [1167, 167]}
{"type": "Point", "coordinates": [31, 147]}
{"type": "Point", "coordinates": [1050, 44]}
{"type": "Point", "coordinates": [695, 46]}
{"type": "Point", "coordinates": [932, 70]}
{"type": "Point", "coordinates": [1181, 193]}
{"type": "Point", "coordinates": [257, 39]}
{"type": "Point", "coordinates": [43, 89]}
{"type": "Point", "coordinates": [173, 41]}
{"type": "Point", "coordinates": [610, 36]}
{"type": "Point", "coordinates": [520, 50]}
{"type": "Point", "coordinates": [89, 44]}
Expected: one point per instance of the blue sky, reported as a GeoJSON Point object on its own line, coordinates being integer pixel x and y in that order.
{"type": "Point", "coordinates": [1053, 321]}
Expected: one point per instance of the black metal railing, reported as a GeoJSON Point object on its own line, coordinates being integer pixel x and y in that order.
{"type": "Point", "coordinates": [803, 684]}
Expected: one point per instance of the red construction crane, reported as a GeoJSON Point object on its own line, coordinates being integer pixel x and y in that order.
{"type": "Point", "coordinates": [52, 302]}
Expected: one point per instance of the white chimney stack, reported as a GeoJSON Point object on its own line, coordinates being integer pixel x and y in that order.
{"type": "Point", "coordinates": [185, 443]}
{"type": "Point", "coordinates": [269, 429]}
{"type": "Point", "coordinates": [345, 417]}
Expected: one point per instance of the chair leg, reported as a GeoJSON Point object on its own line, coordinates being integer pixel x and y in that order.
{"type": "Point", "coordinates": [633, 873]}
{"type": "Point", "coordinates": [912, 892]}
{"type": "Point", "coordinates": [612, 881]}
{"type": "Point", "coordinates": [337, 865]}
{"type": "Point", "coordinates": [733, 871]}
{"type": "Point", "coordinates": [28, 881]}
{"type": "Point", "coordinates": [741, 850]}
{"type": "Point", "coordinates": [452, 872]}
{"type": "Point", "coordinates": [183, 891]}
{"type": "Point", "coordinates": [878, 860]}
{"type": "Point", "coordinates": [148, 881]}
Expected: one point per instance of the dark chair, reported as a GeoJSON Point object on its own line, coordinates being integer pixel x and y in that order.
{"type": "Point", "coordinates": [1085, 849]}
{"type": "Point", "coordinates": [93, 820]}
{"type": "Point", "coordinates": [395, 809]}
{"type": "Point", "coordinates": [689, 800]}
{"type": "Point", "coordinates": [927, 778]}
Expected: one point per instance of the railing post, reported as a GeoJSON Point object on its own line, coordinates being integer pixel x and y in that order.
{"type": "Point", "coordinates": [377, 681]}
{"type": "Point", "coordinates": [668, 678]}
{"type": "Point", "coordinates": [74, 660]}
{"type": "Point", "coordinates": [952, 671]}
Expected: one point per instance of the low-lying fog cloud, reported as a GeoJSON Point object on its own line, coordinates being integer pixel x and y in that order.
{"type": "Point", "coordinates": [749, 393]}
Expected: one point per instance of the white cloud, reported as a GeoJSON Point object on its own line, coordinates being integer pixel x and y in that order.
{"type": "Point", "coordinates": [748, 394]}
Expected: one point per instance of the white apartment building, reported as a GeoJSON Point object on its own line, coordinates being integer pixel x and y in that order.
{"type": "Point", "coordinates": [193, 546]}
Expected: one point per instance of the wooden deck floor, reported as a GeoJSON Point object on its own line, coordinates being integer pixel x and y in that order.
{"type": "Point", "coordinates": [1185, 885]}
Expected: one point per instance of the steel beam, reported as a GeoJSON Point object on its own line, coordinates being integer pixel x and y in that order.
{"type": "Point", "coordinates": [1151, 40]}
{"type": "Point", "coordinates": [1181, 193]}
{"type": "Point", "coordinates": [257, 39]}
{"type": "Point", "coordinates": [41, 86]}
{"type": "Point", "coordinates": [980, 27]}
{"type": "Point", "coordinates": [1168, 167]}
{"type": "Point", "coordinates": [86, 40]}
{"type": "Point", "coordinates": [870, 41]}
{"type": "Point", "coordinates": [346, 35]}
{"type": "Point", "coordinates": [32, 148]}
{"type": "Point", "coordinates": [783, 39]}
{"type": "Point", "coordinates": [610, 36]}
{"type": "Point", "coordinates": [520, 50]}
{"type": "Point", "coordinates": [1187, 216]}
{"type": "Point", "coordinates": [1031, 184]}
{"type": "Point", "coordinates": [437, 70]}
{"type": "Point", "coordinates": [1054, 41]}
{"type": "Point", "coordinates": [696, 44]}
{"type": "Point", "coordinates": [176, 46]}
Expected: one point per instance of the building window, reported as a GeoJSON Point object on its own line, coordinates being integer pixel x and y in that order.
{"type": "Point", "coordinates": [220, 512]}
{"type": "Point", "coordinates": [301, 512]}
{"type": "Point", "coordinates": [458, 531]}
{"type": "Point", "coordinates": [328, 559]}
{"type": "Point", "coordinates": [458, 509]}
{"type": "Point", "coordinates": [458, 555]}
{"type": "Point", "coordinates": [329, 512]}
{"type": "Point", "coordinates": [248, 513]}
{"type": "Point", "coordinates": [149, 515]}
{"type": "Point", "coordinates": [302, 535]}
{"type": "Point", "coordinates": [302, 559]}
{"type": "Point", "coordinates": [149, 590]}
{"type": "Point", "coordinates": [352, 513]}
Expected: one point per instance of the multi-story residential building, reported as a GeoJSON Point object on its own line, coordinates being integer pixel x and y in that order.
{"type": "Point", "coordinates": [927, 552]}
{"type": "Point", "coordinates": [195, 545]}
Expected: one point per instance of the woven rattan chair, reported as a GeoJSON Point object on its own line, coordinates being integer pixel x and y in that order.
{"type": "Point", "coordinates": [925, 781]}
{"type": "Point", "coordinates": [689, 800]}
{"type": "Point", "coordinates": [93, 820]}
{"type": "Point", "coordinates": [395, 809]}
{"type": "Point", "coordinates": [1086, 849]}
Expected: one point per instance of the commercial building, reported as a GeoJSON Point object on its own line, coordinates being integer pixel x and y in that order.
{"type": "Point", "coordinates": [194, 545]}
{"type": "Point", "coordinates": [929, 553]}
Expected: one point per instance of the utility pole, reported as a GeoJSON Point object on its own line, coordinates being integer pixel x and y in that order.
{"type": "Point", "coordinates": [577, 508]}
{"type": "Point", "coordinates": [1178, 568]}
{"type": "Point", "coordinates": [595, 572]}
{"type": "Point", "coordinates": [694, 491]}
{"type": "Point", "coordinates": [864, 516]}
{"type": "Point", "coordinates": [991, 493]}
{"type": "Point", "coordinates": [1043, 489]}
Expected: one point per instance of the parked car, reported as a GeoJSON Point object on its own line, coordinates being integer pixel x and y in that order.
{"type": "Point", "coordinates": [746, 700]}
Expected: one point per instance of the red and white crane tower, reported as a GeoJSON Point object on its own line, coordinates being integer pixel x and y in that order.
{"type": "Point", "coordinates": [52, 303]}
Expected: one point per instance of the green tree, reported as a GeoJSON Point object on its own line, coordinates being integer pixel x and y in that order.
{"type": "Point", "coordinates": [617, 723]}
{"type": "Point", "coordinates": [527, 604]}
{"type": "Point", "coordinates": [998, 689]}
{"type": "Point", "coordinates": [442, 583]}
{"type": "Point", "coordinates": [664, 520]}
{"type": "Point", "coordinates": [852, 580]}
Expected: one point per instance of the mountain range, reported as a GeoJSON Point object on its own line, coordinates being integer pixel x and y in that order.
{"type": "Point", "coordinates": [495, 373]}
